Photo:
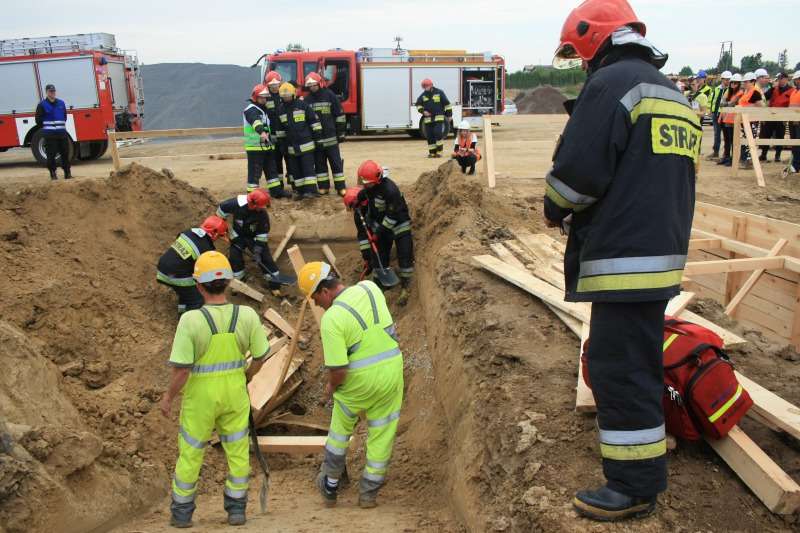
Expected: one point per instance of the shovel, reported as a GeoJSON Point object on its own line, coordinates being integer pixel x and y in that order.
{"type": "Point", "coordinates": [386, 276]}
{"type": "Point", "coordinates": [279, 278]}
{"type": "Point", "coordinates": [262, 461]}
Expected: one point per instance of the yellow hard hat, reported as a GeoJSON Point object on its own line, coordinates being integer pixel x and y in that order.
{"type": "Point", "coordinates": [311, 275]}
{"type": "Point", "coordinates": [287, 89]}
{"type": "Point", "coordinates": [210, 266]}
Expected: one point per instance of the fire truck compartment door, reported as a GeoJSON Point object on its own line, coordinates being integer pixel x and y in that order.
{"type": "Point", "coordinates": [19, 93]}
{"type": "Point", "coordinates": [385, 96]}
{"type": "Point", "coordinates": [74, 80]}
{"type": "Point", "coordinates": [119, 88]}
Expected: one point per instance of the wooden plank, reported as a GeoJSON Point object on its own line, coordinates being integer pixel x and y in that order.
{"type": "Point", "coordinates": [768, 114]}
{"type": "Point", "coordinates": [275, 318]}
{"type": "Point", "coordinates": [729, 339]}
{"type": "Point", "coordinates": [584, 399]}
{"type": "Point", "coordinates": [505, 255]}
{"type": "Point", "coordinates": [243, 288]}
{"type": "Point", "coordinates": [795, 338]}
{"type": "Point", "coordinates": [752, 280]}
{"type": "Point", "coordinates": [777, 142]}
{"type": "Point", "coordinates": [777, 411]}
{"type": "Point", "coordinates": [734, 265]}
{"type": "Point", "coordinates": [296, 258]}
{"type": "Point", "coordinates": [542, 246]}
{"type": "Point", "coordinates": [292, 350]}
{"type": "Point", "coordinates": [328, 253]}
{"type": "Point", "coordinates": [737, 144]}
{"type": "Point", "coordinates": [519, 249]}
{"type": "Point", "coordinates": [539, 288]}
{"type": "Point", "coordinates": [678, 304]}
{"type": "Point", "coordinates": [733, 280]}
{"type": "Point", "coordinates": [488, 152]}
{"type": "Point", "coordinates": [292, 445]}
{"type": "Point", "coordinates": [290, 386]}
{"type": "Point", "coordinates": [748, 133]}
{"type": "Point", "coordinates": [112, 144]}
{"type": "Point", "coordinates": [264, 384]}
{"type": "Point", "coordinates": [284, 242]}
{"type": "Point", "coordinates": [762, 475]}
{"type": "Point", "coordinates": [277, 344]}
{"type": "Point", "coordinates": [186, 132]}
{"type": "Point", "coordinates": [705, 244]}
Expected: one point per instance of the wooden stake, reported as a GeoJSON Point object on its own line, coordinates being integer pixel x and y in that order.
{"type": "Point", "coordinates": [771, 407]}
{"type": "Point", "coordinates": [112, 143]}
{"type": "Point", "coordinates": [292, 350]}
{"type": "Point", "coordinates": [284, 242]}
{"type": "Point", "coordinates": [243, 288]}
{"type": "Point", "coordinates": [328, 253]}
{"type": "Point", "coordinates": [697, 268]}
{"type": "Point", "coordinates": [748, 133]}
{"type": "Point", "coordinates": [795, 339]}
{"type": "Point", "coordinates": [737, 144]}
{"type": "Point", "coordinates": [488, 151]}
{"type": "Point", "coordinates": [753, 279]}
{"type": "Point", "coordinates": [733, 280]}
{"type": "Point", "coordinates": [677, 305]}
{"type": "Point", "coordinates": [275, 318]}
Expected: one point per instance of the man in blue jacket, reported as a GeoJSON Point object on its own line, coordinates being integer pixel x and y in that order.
{"type": "Point", "coordinates": [51, 116]}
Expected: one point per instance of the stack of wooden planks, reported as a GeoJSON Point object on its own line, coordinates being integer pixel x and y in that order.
{"type": "Point", "coordinates": [533, 263]}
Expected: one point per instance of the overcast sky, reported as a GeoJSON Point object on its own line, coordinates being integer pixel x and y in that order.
{"type": "Point", "coordinates": [522, 31]}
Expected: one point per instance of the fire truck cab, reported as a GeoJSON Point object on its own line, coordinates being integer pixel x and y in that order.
{"type": "Point", "coordinates": [378, 87]}
{"type": "Point", "coordinates": [100, 85]}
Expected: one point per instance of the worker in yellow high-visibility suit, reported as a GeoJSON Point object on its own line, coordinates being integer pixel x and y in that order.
{"type": "Point", "coordinates": [208, 358]}
{"type": "Point", "coordinates": [365, 376]}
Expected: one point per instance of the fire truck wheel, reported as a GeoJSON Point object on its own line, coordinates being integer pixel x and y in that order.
{"type": "Point", "coordinates": [96, 150]}
{"type": "Point", "coordinates": [37, 147]}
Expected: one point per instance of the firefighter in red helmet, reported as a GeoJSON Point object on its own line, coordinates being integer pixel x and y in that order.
{"type": "Point", "coordinates": [329, 111]}
{"type": "Point", "coordinates": [389, 220]}
{"type": "Point", "coordinates": [436, 112]}
{"type": "Point", "coordinates": [623, 185]}
{"type": "Point", "coordinates": [276, 188]}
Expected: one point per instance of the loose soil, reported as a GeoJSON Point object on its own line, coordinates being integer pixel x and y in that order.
{"type": "Point", "coordinates": [541, 101]}
{"type": "Point", "coordinates": [488, 438]}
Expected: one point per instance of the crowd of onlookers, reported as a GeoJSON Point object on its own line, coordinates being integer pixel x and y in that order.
{"type": "Point", "coordinates": [711, 100]}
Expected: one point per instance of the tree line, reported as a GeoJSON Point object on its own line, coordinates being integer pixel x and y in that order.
{"type": "Point", "coordinates": [545, 76]}
{"type": "Point", "coordinates": [748, 63]}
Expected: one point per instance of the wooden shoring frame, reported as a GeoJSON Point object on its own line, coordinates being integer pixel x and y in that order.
{"type": "Point", "coordinates": [742, 118]}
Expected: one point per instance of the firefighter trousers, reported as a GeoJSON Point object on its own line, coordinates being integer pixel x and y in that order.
{"type": "Point", "coordinates": [626, 369]}
{"type": "Point", "coordinates": [281, 161]}
{"type": "Point", "coordinates": [236, 257]}
{"type": "Point", "coordinates": [325, 155]}
{"type": "Point", "coordinates": [794, 133]}
{"type": "Point", "coordinates": [303, 171]}
{"type": "Point", "coordinates": [434, 132]}
{"type": "Point", "coordinates": [262, 162]}
{"type": "Point", "coordinates": [405, 253]}
{"type": "Point", "coordinates": [219, 402]}
{"type": "Point", "coordinates": [382, 414]}
{"type": "Point", "coordinates": [188, 297]}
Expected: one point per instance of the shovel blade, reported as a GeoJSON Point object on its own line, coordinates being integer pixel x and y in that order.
{"type": "Point", "coordinates": [280, 279]}
{"type": "Point", "coordinates": [387, 277]}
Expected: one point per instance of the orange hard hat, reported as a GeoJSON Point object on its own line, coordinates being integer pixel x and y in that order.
{"type": "Point", "coordinates": [350, 197]}
{"type": "Point", "coordinates": [590, 25]}
{"type": "Point", "coordinates": [273, 78]}
{"type": "Point", "coordinates": [313, 77]}
{"type": "Point", "coordinates": [215, 227]}
{"type": "Point", "coordinates": [259, 90]}
{"type": "Point", "coordinates": [370, 172]}
{"type": "Point", "coordinates": [426, 83]}
{"type": "Point", "coordinates": [258, 199]}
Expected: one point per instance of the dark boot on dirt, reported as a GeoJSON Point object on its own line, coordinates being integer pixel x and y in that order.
{"type": "Point", "coordinates": [606, 505]}
{"type": "Point", "coordinates": [236, 508]}
{"type": "Point", "coordinates": [179, 524]}
{"type": "Point", "coordinates": [53, 175]}
{"type": "Point", "coordinates": [235, 519]}
{"type": "Point", "coordinates": [181, 514]}
{"type": "Point", "coordinates": [367, 502]}
{"type": "Point", "coordinates": [67, 174]}
{"type": "Point", "coordinates": [328, 493]}
{"type": "Point", "coordinates": [471, 170]}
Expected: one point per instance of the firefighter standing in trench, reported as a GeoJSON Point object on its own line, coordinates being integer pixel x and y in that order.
{"type": "Point", "coordinates": [435, 109]}
{"type": "Point", "coordinates": [624, 172]}
{"type": "Point", "coordinates": [328, 109]}
{"type": "Point", "coordinates": [365, 375]}
{"type": "Point", "coordinates": [208, 368]}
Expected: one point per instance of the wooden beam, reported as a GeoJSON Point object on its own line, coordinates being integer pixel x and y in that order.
{"type": "Point", "coordinates": [795, 338]}
{"type": "Point", "coordinates": [292, 445]}
{"type": "Point", "coordinates": [733, 280]}
{"type": "Point", "coordinates": [185, 132]}
{"type": "Point", "coordinates": [737, 144]}
{"type": "Point", "coordinates": [505, 255]}
{"type": "Point", "coordinates": [328, 253]}
{"type": "Point", "coordinates": [768, 405]}
{"type": "Point", "coordinates": [112, 144]}
{"type": "Point", "coordinates": [678, 304]}
{"type": "Point", "coordinates": [705, 244]}
{"type": "Point", "coordinates": [284, 242]}
{"type": "Point", "coordinates": [768, 114]}
{"type": "Point", "coordinates": [488, 151]}
{"type": "Point", "coordinates": [296, 258]}
{"type": "Point", "coordinates": [697, 268]}
{"type": "Point", "coordinates": [753, 279]}
{"type": "Point", "coordinates": [288, 361]}
{"type": "Point", "coordinates": [762, 475]}
{"type": "Point", "coordinates": [535, 286]}
{"type": "Point", "coordinates": [728, 339]}
{"type": "Point", "coordinates": [277, 344]}
{"type": "Point", "coordinates": [748, 133]}
{"type": "Point", "coordinates": [777, 142]}
{"type": "Point", "coordinates": [264, 385]}
{"type": "Point", "coordinates": [275, 318]}
{"type": "Point", "coordinates": [584, 399]}
{"type": "Point", "coordinates": [243, 288]}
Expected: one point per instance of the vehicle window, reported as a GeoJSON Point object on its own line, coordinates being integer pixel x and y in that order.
{"type": "Point", "coordinates": [308, 68]}
{"type": "Point", "coordinates": [337, 72]}
{"type": "Point", "coordinates": [287, 70]}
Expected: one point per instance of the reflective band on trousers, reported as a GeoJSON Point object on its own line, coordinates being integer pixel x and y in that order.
{"type": "Point", "coordinates": [235, 436]}
{"type": "Point", "coordinates": [334, 450]}
{"type": "Point", "coordinates": [638, 436]}
{"type": "Point", "coordinates": [383, 421]}
{"type": "Point", "coordinates": [373, 477]}
{"type": "Point", "coordinates": [345, 409]}
{"type": "Point", "coordinates": [378, 465]}
{"type": "Point", "coordinates": [218, 367]}
{"type": "Point", "coordinates": [722, 410]}
{"type": "Point", "coordinates": [183, 485]}
{"type": "Point", "coordinates": [633, 445]}
{"type": "Point", "coordinates": [338, 436]}
{"type": "Point", "coordinates": [629, 265]}
{"type": "Point", "coordinates": [177, 498]}
{"type": "Point", "coordinates": [238, 480]}
{"type": "Point", "coordinates": [236, 494]}
{"type": "Point", "coordinates": [191, 441]}
{"type": "Point", "coordinates": [361, 363]}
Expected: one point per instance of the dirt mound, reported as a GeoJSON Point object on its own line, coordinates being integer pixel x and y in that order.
{"type": "Point", "coordinates": [83, 340]}
{"type": "Point", "coordinates": [541, 101]}
{"type": "Point", "coordinates": [506, 369]}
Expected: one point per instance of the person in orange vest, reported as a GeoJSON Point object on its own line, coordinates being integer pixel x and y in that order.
{"type": "Point", "coordinates": [752, 97]}
{"type": "Point", "coordinates": [777, 96]}
{"type": "Point", "coordinates": [729, 99]}
{"type": "Point", "coordinates": [794, 128]}
{"type": "Point", "coordinates": [465, 149]}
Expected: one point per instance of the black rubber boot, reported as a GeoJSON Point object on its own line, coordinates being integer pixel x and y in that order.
{"type": "Point", "coordinates": [181, 514]}
{"type": "Point", "coordinates": [53, 175]}
{"type": "Point", "coordinates": [328, 496]}
{"type": "Point", "coordinates": [606, 505]}
{"type": "Point", "coordinates": [68, 175]}
{"type": "Point", "coordinates": [235, 507]}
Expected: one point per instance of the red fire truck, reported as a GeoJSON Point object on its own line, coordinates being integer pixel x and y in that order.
{"type": "Point", "coordinates": [378, 87]}
{"type": "Point", "coordinates": [100, 84]}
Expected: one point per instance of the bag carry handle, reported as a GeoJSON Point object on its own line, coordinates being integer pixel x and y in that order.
{"type": "Point", "coordinates": [695, 354]}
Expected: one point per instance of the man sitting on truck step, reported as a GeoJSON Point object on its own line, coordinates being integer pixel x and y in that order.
{"type": "Point", "coordinates": [435, 109]}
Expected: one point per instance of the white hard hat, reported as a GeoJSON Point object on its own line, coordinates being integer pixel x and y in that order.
{"type": "Point", "coordinates": [761, 72]}
{"type": "Point", "coordinates": [750, 76]}
{"type": "Point", "coordinates": [796, 75]}
{"type": "Point", "coordinates": [726, 75]}
{"type": "Point", "coordinates": [736, 77]}
{"type": "Point", "coordinates": [464, 125]}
